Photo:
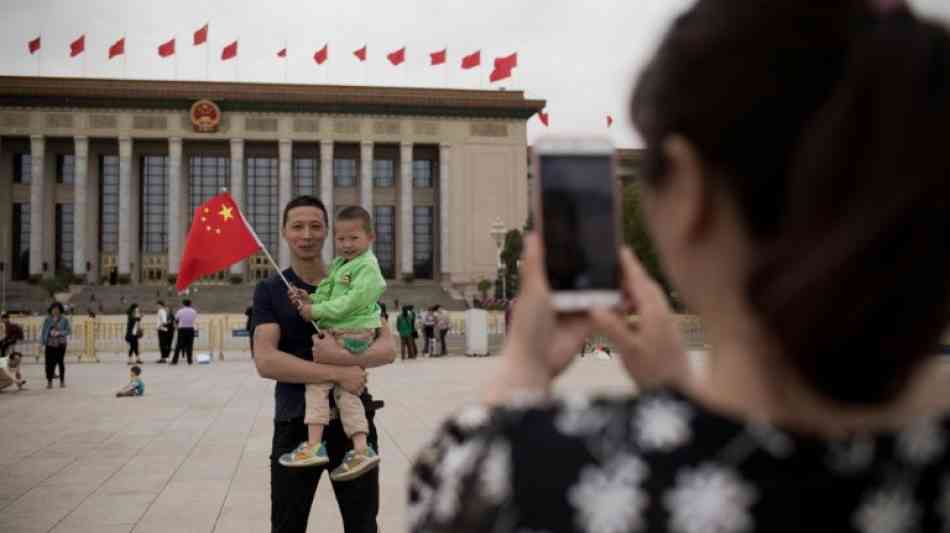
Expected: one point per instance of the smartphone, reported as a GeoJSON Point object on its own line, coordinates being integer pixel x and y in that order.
{"type": "Point", "coordinates": [578, 218]}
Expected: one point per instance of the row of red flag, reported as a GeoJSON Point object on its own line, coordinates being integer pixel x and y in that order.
{"type": "Point", "coordinates": [545, 119]}
{"type": "Point", "coordinates": [503, 66]}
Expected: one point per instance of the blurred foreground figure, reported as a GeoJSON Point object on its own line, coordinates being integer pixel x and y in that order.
{"type": "Point", "coordinates": [797, 187]}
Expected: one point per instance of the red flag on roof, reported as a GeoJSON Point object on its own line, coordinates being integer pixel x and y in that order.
{"type": "Point", "coordinates": [543, 117]}
{"type": "Point", "coordinates": [282, 52]}
{"type": "Point", "coordinates": [34, 46]}
{"type": "Point", "coordinates": [503, 67]}
{"type": "Point", "coordinates": [229, 51]}
{"type": "Point", "coordinates": [397, 57]}
{"type": "Point", "coordinates": [610, 121]}
{"type": "Point", "coordinates": [117, 49]}
{"type": "Point", "coordinates": [321, 55]}
{"type": "Point", "coordinates": [361, 53]}
{"type": "Point", "coordinates": [201, 35]}
{"type": "Point", "coordinates": [167, 49]}
{"type": "Point", "coordinates": [472, 60]}
{"type": "Point", "coordinates": [218, 238]}
{"type": "Point", "coordinates": [78, 46]}
{"type": "Point", "coordinates": [437, 58]}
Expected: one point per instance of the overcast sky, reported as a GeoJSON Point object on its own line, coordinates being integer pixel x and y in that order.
{"type": "Point", "coordinates": [581, 56]}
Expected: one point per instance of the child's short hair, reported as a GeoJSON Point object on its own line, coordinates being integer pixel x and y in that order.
{"type": "Point", "coordinates": [137, 370]}
{"type": "Point", "coordinates": [355, 212]}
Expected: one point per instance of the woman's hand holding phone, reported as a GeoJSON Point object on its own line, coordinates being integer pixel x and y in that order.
{"type": "Point", "coordinates": [541, 343]}
{"type": "Point", "coordinates": [651, 347]}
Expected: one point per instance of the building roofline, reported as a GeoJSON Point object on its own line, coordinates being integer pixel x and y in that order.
{"type": "Point", "coordinates": [264, 97]}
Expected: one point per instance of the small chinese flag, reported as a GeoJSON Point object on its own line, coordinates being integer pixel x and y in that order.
{"type": "Point", "coordinates": [610, 121]}
{"type": "Point", "coordinates": [201, 36]}
{"type": "Point", "coordinates": [472, 60]}
{"type": "Point", "coordinates": [78, 46]}
{"type": "Point", "coordinates": [544, 118]}
{"type": "Point", "coordinates": [166, 49]}
{"type": "Point", "coordinates": [437, 58]}
{"type": "Point", "coordinates": [321, 55]}
{"type": "Point", "coordinates": [361, 53]}
{"type": "Point", "coordinates": [397, 57]}
{"type": "Point", "coordinates": [218, 238]}
{"type": "Point", "coordinates": [34, 46]}
{"type": "Point", "coordinates": [282, 52]}
{"type": "Point", "coordinates": [229, 51]}
{"type": "Point", "coordinates": [117, 49]}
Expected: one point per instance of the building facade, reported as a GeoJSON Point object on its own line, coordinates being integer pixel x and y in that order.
{"type": "Point", "coordinates": [101, 177]}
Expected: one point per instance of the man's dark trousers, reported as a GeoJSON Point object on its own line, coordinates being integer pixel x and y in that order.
{"type": "Point", "coordinates": [186, 344]}
{"type": "Point", "coordinates": [165, 342]}
{"type": "Point", "coordinates": [292, 489]}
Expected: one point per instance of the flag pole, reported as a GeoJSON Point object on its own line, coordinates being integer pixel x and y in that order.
{"type": "Point", "coordinates": [286, 59]}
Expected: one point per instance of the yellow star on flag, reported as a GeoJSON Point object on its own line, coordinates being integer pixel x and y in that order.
{"type": "Point", "coordinates": [226, 212]}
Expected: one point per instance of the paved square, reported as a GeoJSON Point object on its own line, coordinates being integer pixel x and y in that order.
{"type": "Point", "coordinates": [192, 455]}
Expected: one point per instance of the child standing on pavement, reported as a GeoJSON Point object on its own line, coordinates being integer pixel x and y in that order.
{"type": "Point", "coordinates": [344, 305]}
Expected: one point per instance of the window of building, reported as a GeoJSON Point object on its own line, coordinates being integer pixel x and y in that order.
{"type": "Point", "coordinates": [155, 204]}
{"type": "Point", "coordinates": [384, 219]}
{"type": "Point", "coordinates": [422, 242]}
{"type": "Point", "coordinates": [109, 200]}
{"type": "Point", "coordinates": [21, 241]}
{"type": "Point", "coordinates": [66, 169]}
{"type": "Point", "coordinates": [422, 174]}
{"type": "Point", "coordinates": [306, 176]}
{"type": "Point", "coordinates": [64, 237]}
{"type": "Point", "coordinates": [209, 174]}
{"type": "Point", "coordinates": [344, 172]}
{"type": "Point", "coordinates": [384, 173]}
{"type": "Point", "coordinates": [262, 211]}
{"type": "Point", "coordinates": [22, 168]}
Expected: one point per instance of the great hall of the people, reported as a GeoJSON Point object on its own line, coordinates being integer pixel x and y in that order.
{"type": "Point", "coordinates": [100, 176]}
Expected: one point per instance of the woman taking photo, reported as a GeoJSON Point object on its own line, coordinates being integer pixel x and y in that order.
{"type": "Point", "coordinates": [796, 186]}
{"type": "Point", "coordinates": [133, 332]}
{"type": "Point", "coordinates": [54, 335]}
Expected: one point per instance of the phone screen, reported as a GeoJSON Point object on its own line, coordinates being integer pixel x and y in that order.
{"type": "Point", "coordinates": [579, 226]}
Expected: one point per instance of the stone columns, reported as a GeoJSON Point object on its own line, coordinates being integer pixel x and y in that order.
{"type": "Point", "coordinates": [237, 189]}
{"type": "Point", "coordinates": [444, 150]}
{"type": "Point", "coordinates": [80, 206]}
{"type": "Point", "coordinates": [326, 194]}
{"type": "Point", "coordinates": [285, 192]}
{"type": "Point", "coordinates": [38, 202]}
{"type": "Point", "coordinates": [405, 208]}
{"type": "Point", "coordinates": [125, 206]}
{"type": "Point", "coordinates": [176, 224]}
{"type": "Point", "coordinates": [366, 176]}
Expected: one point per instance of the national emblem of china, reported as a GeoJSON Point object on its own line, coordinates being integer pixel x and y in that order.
{"type": "Point", "coordinates": [205, 116]}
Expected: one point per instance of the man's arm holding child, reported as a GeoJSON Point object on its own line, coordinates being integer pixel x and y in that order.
{"type": "Point", "coordinates": [274, 364]}
{"type": "Point", "coordinates": [381, 352]}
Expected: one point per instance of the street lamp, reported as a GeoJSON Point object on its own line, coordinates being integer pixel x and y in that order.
{"type": "Point", "coordinates": [498, 233]}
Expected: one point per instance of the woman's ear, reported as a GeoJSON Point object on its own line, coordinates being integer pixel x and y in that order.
{"type": "Point", "coordinates": [686, 190]}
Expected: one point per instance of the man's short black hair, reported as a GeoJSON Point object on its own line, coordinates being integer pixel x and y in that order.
{"type": "Point", "coordinates": [137, 370]}
{"type": "Point", "coordinates": [161, 303]}
{"type": "Point", "coordinates": [305, 200]}
{"type": "Point", "coordinates": [186, 302]}
{"type": "Point", "coordinates": [4, 316]}
{"type": "Point", "coordinates": [55, 305]}
{"type": "Point", "coordinates": [355, 212]}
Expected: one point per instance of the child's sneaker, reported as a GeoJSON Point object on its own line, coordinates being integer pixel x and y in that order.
{"type": "Point", "coordinates": [305, 455]}
{"type": "Point", "coordinates": [355, 464]}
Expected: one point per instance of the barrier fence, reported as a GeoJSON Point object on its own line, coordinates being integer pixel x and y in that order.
{"type": "Point", "coordinates": [219, 333]}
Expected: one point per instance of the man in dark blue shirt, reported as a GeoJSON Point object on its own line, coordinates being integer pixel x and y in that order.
{"type": "Point", "coordinates": [287, 351]}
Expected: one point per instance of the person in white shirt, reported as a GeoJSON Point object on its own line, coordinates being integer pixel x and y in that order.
{"type": "Point", "coordinates": [165, 332]}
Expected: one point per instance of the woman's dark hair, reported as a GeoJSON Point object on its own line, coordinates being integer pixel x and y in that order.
{"type": "Point", "coordinates": [55, 305]}
{"type": "Point", "coordinates": [824, 121]}
{"type": "Point", "coordinates": [132, 309]}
